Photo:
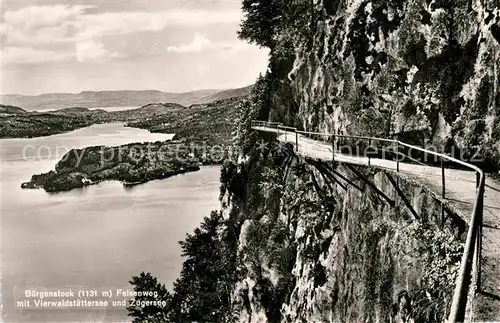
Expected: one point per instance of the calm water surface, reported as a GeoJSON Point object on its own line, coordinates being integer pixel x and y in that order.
{"type": "Point", "coordinates": [95, 237]}
{"type": "Point", "coordinates": [109, 109]}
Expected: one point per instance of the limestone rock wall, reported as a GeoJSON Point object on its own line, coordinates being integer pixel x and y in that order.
{"type": "Point", "coordinates": [312, 251]}
{"type": "Point", "coordinates": [388, 67]}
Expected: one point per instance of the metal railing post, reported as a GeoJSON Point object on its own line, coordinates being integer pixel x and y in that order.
{"type": "Point", "coordinates": [369, 147]}
{"type": "Point", "coordinates": [397, 156]}
{"type": "Point", "coordinates": [443, 189]}
{"type": "Point", "coordinates": [479, 245]}
{"type": "Point", "coordinates": [333, 148]}
{"type": "Point", "coordinates": [296, 140]}
{"type": "Point", "coordinates": [479, 235]}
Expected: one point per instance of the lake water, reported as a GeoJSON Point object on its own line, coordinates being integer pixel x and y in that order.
{"type": "Point", "coordinates": [96, 237]}
{"type": "Point", "coordinates": [108, 109]}
{"type": "Point", "coordinates": [114, 109]}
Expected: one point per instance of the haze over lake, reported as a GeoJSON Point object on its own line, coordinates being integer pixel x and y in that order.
{"type": "Point", "coordinates": [95, 237]}
{"type": "Point", "coordinates": [108, 109]}
{"type": "Point", "coordinates": [114, 109]}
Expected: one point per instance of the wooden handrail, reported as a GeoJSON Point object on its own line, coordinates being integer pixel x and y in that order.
{"type": "Point", "coordinates": [473, 241]}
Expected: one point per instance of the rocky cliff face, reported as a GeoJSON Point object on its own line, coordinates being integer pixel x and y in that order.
{"type": "Point", "coordinates": [390, 67]}
{"type": "Point", "coordinates": [316, 247]}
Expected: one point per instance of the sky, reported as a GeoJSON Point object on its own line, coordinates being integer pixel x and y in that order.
{"type": "Point", "coordinates": [71, 46]}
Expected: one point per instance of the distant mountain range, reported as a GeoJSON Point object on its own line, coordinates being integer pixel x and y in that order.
{"type": "Point", "coordinates": [93, 99]}
{"type": "Point", "coordinates": [226, 94]}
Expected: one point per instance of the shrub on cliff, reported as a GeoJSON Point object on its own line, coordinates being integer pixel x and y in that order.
{"type": "Point", "coordinates": [439, 255]}
{"type": "Point", "coordinates": [146, 283]}
{"type": "Point", "coordinates": [232, 181]}
{"type": "Point", "coordinates": [255, 107]}
{"type": "Point", "coordinates": [202, 292]}
{"type": "Point", "coordinates": [262, 20]}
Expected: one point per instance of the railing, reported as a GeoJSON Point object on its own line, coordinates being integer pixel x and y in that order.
{"type": "Point", "coordinates": [471, 258]}
{"type": "Point", "coordinates": [265, 124]}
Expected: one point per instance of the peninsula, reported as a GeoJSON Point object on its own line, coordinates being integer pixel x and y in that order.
{"type": "Point", "coordinates": [131, 164]}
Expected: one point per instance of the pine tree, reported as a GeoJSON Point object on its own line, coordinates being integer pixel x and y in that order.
{"type": "Point", "coordinates": [146, 283]}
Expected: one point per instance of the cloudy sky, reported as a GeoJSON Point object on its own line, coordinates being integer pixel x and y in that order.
{"type": "Point", "coordinates": [169, 45]}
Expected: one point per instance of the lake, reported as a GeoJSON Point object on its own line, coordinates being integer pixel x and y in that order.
{"type": "Point", "coordinates": [108, 109]}
{"type": "Point", "coordinates": [95, 237]}
{"type": "Point", "coordinates": [115, 109]}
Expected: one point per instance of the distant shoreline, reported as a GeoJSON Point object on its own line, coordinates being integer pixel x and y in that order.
{"type": "Point", "coordinates": [17, 122]}
{"type": "Point", "coordinates": [107, 109]}
{"type": "Point", "coordinates": [123, 98]}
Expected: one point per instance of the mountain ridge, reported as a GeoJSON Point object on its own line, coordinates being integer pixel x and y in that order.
{"type": "Point", "coordinates": [99, 99]}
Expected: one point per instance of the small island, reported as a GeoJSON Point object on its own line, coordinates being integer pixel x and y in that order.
{"type": "Point", "coordinates": [131, 164]}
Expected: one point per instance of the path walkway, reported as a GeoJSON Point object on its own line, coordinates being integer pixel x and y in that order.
{"type": "Point", "coordinates": [460, 194]}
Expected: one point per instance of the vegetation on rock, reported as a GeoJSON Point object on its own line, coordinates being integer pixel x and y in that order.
{"type": "Point", "coordinates": [213, 123]}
